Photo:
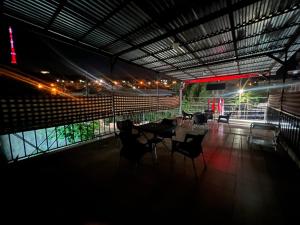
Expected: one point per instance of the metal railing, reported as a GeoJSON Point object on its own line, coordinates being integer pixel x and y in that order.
{"type": "Point", "coordinates": [289, 127]}
{"type": "Point", "coordinates": [26, 144]}
{"type": "Point", "coordinates": [252, 109]}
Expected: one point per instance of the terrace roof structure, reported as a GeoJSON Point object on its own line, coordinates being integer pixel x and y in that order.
{"type": "Point", "coordinates": [184, 40]}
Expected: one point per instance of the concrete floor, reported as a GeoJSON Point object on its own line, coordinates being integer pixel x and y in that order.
{"type": "Point", "coordinates": [88, 185]}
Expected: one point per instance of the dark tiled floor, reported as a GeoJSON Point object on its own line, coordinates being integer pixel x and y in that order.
{"type": "Point", "coordinates": [88, 185]}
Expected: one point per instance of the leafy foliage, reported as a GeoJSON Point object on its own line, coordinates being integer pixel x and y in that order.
{"type": "Point", "coordinates": [78, 131]}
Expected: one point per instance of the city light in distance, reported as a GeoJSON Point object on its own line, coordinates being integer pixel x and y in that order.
{"type": "Point", "coordinates": [45, 72]}
{"type": "Point", "coordinates": [53, 91]}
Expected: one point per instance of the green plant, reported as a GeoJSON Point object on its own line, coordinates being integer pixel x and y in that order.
{"type": "Point", "coordinates": [78, 131]}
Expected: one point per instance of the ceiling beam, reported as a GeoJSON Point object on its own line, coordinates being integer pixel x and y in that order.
{"type": "Point", "coordinates": [229, 60]}
{"type": "Point", "coordinates": [88, 17]}
{"type": "Point", "coordinates": [244, 47]}
{"type": "Point", "coordinates": [275, 58]}
{"type": "Point", "coordinates": [207, 18]}
{"type": "Point", "coordinates": [267, 31]}
{"type": "Point", "coordinates": [288, 45]}
{"type": "Point", "coordinates": [61, 5]}
{"type": "Point", "coordinates": [145, 8]}
{"type": "Point", "coordinates": [232, 28]}
{"type": "Point", "coordinates": [105, 18]}
{"type": "Point", "coordinates": [179, 8]}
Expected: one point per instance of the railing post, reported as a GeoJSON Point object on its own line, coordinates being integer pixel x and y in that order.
{"type": "Point", "coordinates": [112, 63]}
{"type": "Point", "coordinates": [113, 111]}
{"type": "Point", "coordinates": [180, 97]}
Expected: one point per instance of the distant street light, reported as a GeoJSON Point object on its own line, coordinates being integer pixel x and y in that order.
{"type": "Point", "coordinates": [45, 72]}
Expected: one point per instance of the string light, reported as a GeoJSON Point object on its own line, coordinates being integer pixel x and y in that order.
{"type": "Point", "coordinates": [40, 86]}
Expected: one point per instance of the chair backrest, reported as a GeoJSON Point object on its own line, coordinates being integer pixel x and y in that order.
{"type": "Point", "coordinates": [209, 113]}
{"type": "Point", "coordinates": [169, 122]}
{"type": "Point", "coordinates": [170, 128]}
{"type": "Point", "coordinates": [194, 144]}
{"type": "Point", "coordinates": [200, 118]}
{"type": "Point", "coordinates": [125, 125]}
{"type": "Point", "coordinates": [229, 114]}
{"type": "Point", "coordinates": [131, 149]}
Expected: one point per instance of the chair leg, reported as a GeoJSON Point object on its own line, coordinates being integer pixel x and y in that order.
{"type": "Point", "coordinates": [229, 127]}
{"type": "Point", "coordinates": [204, 162]}
{"type": "Point", "coordinates": [194, 167]}
{"type": "Point", "coordinates": [154, 155]}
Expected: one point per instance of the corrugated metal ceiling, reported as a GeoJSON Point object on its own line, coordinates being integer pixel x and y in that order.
{"type": "Point", "coordinates": [207, 41]}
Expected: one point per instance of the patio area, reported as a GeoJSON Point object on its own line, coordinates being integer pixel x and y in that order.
{"type": "Point", "coordinates": [88, 185]}
{"type": "Point", "coordinates": [96, 98]}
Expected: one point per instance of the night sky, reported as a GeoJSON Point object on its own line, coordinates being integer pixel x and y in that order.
{"type": "Point", "coordinates": [36, 53]}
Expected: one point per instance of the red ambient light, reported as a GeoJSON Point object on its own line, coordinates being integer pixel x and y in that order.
{"type": "Point", "coordinates": [222, 78]}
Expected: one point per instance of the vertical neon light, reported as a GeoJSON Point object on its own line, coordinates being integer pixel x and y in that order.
{"type": "Point", "coordinates": [12, 48]}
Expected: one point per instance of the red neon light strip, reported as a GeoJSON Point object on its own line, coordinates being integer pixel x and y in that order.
{"type": "Point", "coordinates": [12, 48]}
{"type": "Point", "coordinates": [222, 78]}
